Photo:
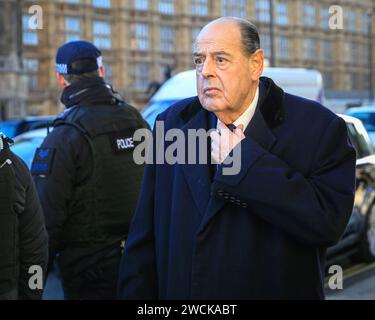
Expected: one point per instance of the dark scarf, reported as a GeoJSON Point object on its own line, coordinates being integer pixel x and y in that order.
{"type": "Point", "coordinates": [89, 92]}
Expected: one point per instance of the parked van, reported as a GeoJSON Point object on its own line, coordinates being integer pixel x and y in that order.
{"type": "Point", "coordinates": [298, 81]}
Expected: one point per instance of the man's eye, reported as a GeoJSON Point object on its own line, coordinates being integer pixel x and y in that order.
{"type": "Point", "coordinates": [220, 60]}
{"type": "Point", "coordinates": [198, 61]}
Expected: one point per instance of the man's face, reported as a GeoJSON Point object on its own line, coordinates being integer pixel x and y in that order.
{"type": "Point", "coordinates": [226, 78]}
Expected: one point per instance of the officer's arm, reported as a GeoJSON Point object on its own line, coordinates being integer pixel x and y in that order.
{"type": "Point", "coordinates": [33, 239]}
{"type": "Point", "coordinates": [314, 209]}
{"type": "Point", "coordinates": [54, 176]}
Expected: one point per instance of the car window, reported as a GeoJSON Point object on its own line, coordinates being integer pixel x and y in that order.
{"type": "Point", "coordinates": [358, 141]}
{"type": "Point", "coordinates": [367, 118]}
{"type": "Point", "coordinates": [9, 128]}
{"type": "Point", "coordinates": [32, 125]}
{"type": "Point", "coordinates": [25, 148]}
{"type": "Point", "coordinates": [151, 111]}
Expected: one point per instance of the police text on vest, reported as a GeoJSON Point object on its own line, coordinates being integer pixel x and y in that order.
{"type": "Point", "coordinates": [126, 143]}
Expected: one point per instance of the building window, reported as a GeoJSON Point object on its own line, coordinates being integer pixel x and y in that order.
{"type": "Point", "coordinates": [194, 34]}
{"type": "Point", "coordinates": [141, 76]}
{"type": "Point", "coordinates": [324, 18]}
{"type": "Point", "coordinates": [346, 52]}
{"type": "Point", "coordinates": [283, 47]}
{"type": "Point", "coordinates": [140, 36]}
{"type": "Point", "coordinates": [350, 52]}
{"type": "Point", "coordinates": [282, 13]}
{"type": "Point", "coordinates": [235, 8]}
{"type": "Point", "coordinates": [107, 72]}
{"type": "Point", "coordinates": [364, 23]}
{"type": "Point", "coordinates": [199, 7]}
{"type": "Point", "coordinates": [326, 50]}
{"type": "Point", "coordinates": [166, 6]}
{"type": "Point", "coordinates": [262, 10]}
{"type": "Point", "coordinates": [347, 81]}
{"type": "Point", "coordinates": [141, 4]}
{"type": "Point", "coordinates": [355, 81]}
{"type": "Point", "coordinates": [309, 15]}
{"type": "Point", "coordinates": [167, 36]}
{"type": "Point", "coordinates": [265, 44]}
{"type": "Point", "coordinates": [309, 49]}
{"type": "Point", "coordinates": [354, 56]}
{"type": "Point", "coordinates": [365, 53]}
{"type": "Point", "coordinates": [72, 29]}
{"type": "Point", "coordinates": [328, 80]}
{"type": "Point", "coordinates": [165, 72]}
{"type": "Point", "coordinates": [29, 35]}
{"type": "Point", "coordinates": [102, 34]}
{"type": "Point", "coordinates": [32, 68]}
{"type": "Point", "coordinates": [350, 20]}
{"type": "Point", "coordinates": [365, 80]}
{"type": "Point", "coordinates": [101, 3]}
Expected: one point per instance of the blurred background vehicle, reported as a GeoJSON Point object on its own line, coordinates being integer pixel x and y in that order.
{"type": "Point", "coordinates": [15, 127]}
{"type": "Point", "coordinates": [367, 115]}
{"type": "Point", "coordinates": [307, 83]}
{"type": "Point", "coordinates": [26, 143]}
{"type": "Point", "coordinates": [358, 241]}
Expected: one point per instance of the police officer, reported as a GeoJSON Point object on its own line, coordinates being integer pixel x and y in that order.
{"type": "Point", "coordinates": [86, 177]}
{"type": "Point", "coordinates": [23, 236]}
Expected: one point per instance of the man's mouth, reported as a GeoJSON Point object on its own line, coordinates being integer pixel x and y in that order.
{"type": "Point", "coordinates": [210, 90]}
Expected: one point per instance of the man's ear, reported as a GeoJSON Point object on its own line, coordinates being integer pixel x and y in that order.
{"type": "Point", "coordinates": [102, 71]}
{"type": "Point", "coordinates": [61, 81]}
{"type": "Point", "coordinates": [256, 64]}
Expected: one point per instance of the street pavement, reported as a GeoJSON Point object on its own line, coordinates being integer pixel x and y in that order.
{"type": "Point", "coordinates": [358, 284]}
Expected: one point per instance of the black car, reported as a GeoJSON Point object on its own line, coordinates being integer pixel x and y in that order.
{"type": "Point", "coordinates": [14, 127]}
{"type": "Point", "coordinates": [358, 241]}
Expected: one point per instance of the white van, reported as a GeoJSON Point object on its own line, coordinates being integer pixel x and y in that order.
{"type": "Point", "coordinates": [298, 81]}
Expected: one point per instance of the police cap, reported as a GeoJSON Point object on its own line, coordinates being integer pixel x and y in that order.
{"type": "Point", "coordinates": [78, 50]}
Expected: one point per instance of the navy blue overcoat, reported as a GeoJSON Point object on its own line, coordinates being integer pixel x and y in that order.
{"type": "Point", "coordinates": [259, 234]}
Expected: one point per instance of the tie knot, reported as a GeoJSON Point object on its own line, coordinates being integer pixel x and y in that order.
{"type": "Point", "coordinates": [231, 127]}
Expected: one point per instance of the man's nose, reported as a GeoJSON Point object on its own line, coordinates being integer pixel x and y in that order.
{"type": "Point", "coordinates": [208, 69]}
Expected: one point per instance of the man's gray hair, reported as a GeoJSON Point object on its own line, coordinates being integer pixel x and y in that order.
{"type": "Point", "coordinates": [249, 34]}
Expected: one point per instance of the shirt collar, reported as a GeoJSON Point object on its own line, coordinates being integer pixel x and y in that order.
{"type": "Point", "coordinates": [246, 117]}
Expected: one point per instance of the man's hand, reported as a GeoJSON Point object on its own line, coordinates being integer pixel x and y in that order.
{"type": "Point", "coordinates": [224, 141]}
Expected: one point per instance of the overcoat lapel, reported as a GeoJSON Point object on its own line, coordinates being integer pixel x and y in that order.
{"type": "Point", "coordinates": [259, 129]}
{"type": "Point", "coordinates": [268, 114]}
{"type": "Point", "coordinates": [199, 174]}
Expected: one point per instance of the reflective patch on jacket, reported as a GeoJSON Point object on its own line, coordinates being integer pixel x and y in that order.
{"type": "Point", "coordinates": [43, 161]}
{"type": "Point", "coordinates": [122, 141]}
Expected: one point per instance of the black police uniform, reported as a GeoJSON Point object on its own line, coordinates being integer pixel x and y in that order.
{"type": "Point", "coordinates": [23, 236]}
{"type": "Point", "coordinates": [88, 184]}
